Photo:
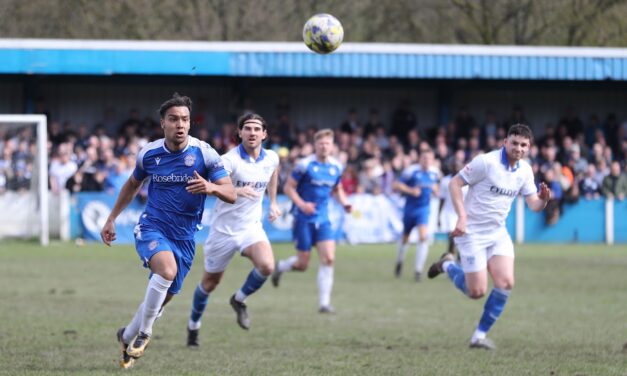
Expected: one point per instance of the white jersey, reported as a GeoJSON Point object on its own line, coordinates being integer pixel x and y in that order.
{"type": "Point", "coordinates": [493, 187]}
{"type": "Point", "coordinates": [234, 218]}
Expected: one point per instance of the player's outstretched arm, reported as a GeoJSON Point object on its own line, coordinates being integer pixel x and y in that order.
{"type": "Point", "coordinates": [455, 189]}
{"type": "Point", "coordinates": [127, 193]}
{"type": "Point", "coordinates": [275, 211]}
{"type": "Point", "coordinates": [290, 190]}
{"type": "Point", "coordinates": [537, 201]}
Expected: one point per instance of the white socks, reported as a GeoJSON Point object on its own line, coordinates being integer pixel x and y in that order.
{"type": "Point", "coordinates": [155, 295]}
{"type": "Point", "coordinates": [477, 335]}
{"type": "Point", "coordinates": [285, 265]}
{"type": "Point", "coordinates": [402, 251]}
{"type": "Point", "coordinates": [325, 284]}
{"type": "Point", "coordinates": [133, 327]}
{"type": "Point", "coordinates": [422, 250]}
{"type": "Point", "coordinates": [193, 325]}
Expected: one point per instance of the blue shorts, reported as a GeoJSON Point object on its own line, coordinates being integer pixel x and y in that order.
{"type": "Point", "coordinates": [307, 234]}
{"type": "Point", "coordinates": [153, 241]}
{"type": "Point", "coordinates": [416, 218]}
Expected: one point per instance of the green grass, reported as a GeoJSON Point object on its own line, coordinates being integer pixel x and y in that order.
{"type": "Point", "coordinates": [60, 308]}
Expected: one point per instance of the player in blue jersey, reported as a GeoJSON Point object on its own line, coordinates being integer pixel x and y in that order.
{"type": "Point", "coordinates": [484, 245]}
{"type": "Point", "coordinates": [418, 183]}
{"type": "Point", "coordinates": [310, 186]}
{"type": "Point", "coordinates": [183, 171]}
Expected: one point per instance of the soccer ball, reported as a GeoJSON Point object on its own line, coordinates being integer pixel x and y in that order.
{"type": "Point", "coordinates": [323, 33]}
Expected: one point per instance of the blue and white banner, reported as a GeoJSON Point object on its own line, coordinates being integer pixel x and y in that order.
{"type": "Point", "coordinates": [374, 219]}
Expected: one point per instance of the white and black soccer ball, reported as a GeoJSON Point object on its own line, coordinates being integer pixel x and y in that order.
{"type": "Point", "coordinates": [323, 33]}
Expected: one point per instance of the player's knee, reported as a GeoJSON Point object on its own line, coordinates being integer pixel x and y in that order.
{"type": "Point", "coordinates": [327, 261]}
{"type": "Point", "coordinates": [476, 293]}
{"type": "Point", "coordinates": [505, 284]}
{"type": "Point", "coordinates": [168, 273]}
{"type": "Point", "coordinates": [266, 269]}
{"type": "Point", "coordinates": [300, 265]}
{"type": "Point", "coordinates": [210, 284]}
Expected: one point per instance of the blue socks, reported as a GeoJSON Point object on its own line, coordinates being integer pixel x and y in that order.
{"type": "Point", "coordinates": [456, 274]}
{"type": "Point", "coordinates": [493, 308]}
{"type": "Point", "coordinates": [198, 304]}
{"type": "Point", "coordinates": [254, 281]}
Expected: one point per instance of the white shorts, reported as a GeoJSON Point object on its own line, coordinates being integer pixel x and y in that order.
{"type": "Point", "coordinates": [219, 247]}
{"type": "Point", "coordinates": [476, 249]}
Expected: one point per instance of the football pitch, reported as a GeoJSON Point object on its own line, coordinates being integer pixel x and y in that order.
{"type": "Point", "coordinates": [60, 308]}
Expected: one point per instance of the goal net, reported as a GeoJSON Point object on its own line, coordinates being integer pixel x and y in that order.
{"type": "Point", "coordinates": [24, 177]}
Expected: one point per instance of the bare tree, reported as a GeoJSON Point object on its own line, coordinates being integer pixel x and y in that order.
{"type": "Point", "coordinates": [518, 22]}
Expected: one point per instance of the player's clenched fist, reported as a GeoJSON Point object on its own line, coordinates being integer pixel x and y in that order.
{"type": "Point", "coordinates": [107, 234]}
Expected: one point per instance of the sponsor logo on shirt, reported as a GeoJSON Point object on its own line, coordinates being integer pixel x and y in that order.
{"type": "Point", "coordinates": [157, 160]}
{"type": "Point", "coordinates": [320, 182]}
{"type": "Point", "coordinates": [252, 184]}
{"type": "Point", "coordinates": [503, 191]}
{"type": "Point", "coordinates": [172, 178]}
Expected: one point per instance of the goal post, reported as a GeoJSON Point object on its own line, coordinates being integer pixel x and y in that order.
{"type": "Point", "coordinates": [38, 190]}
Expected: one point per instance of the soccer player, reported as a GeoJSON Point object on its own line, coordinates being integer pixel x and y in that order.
{"type": "Point", "coordinates": [238, 227]}
{"type": "Point", "coordinates": [309, 187]}
{"type": "Point", "coordinates": [495, 179]}
{"type": "Point", "coordinates": [182, 171]}
{"type": "Point", "coordinates": [417, 183]}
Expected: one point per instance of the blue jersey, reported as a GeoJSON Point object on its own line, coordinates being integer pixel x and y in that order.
{"type": "Point", "coordinates": [415, 176]}
{"type": "Point", "coordinates": [315, 183]}
{"type": "Point", "coordinates": [170, 209]}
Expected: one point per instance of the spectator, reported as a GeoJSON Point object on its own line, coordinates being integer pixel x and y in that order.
{"type": "Point", "coordinates": [387, 178]}
{"type": "Point", "coordinates": [577, 164]}
{"type": "Point", "coordinates": [615, 184]}
{"type": "Point", "coordinates": [350, 180]}
{"type": "Point", "coordinates": [62, 167]}
{"type": "Point", "coordinates": [589, 186]}
{"type": "Point", "coordinates": [370, 177]}
{"type": "Point", "coordinates": [553, 207]}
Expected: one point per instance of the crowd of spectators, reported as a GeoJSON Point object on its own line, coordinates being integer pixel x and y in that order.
{"type": "Point", "coordinates": [579, 160]}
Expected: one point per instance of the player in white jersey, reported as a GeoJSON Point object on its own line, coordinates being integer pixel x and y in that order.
{"type": "Point", "coordinates": [495, 179]}
{"type": "Point", "coordinates": [238, 227]}
{"type": "Point", "coordinates": [448, 216]}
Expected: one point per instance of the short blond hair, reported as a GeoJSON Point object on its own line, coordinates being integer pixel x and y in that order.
{"type": "Point", "coordinates": [323, 133]}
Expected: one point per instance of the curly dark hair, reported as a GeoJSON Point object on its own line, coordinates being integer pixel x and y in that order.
{"type": "Point", "coordinates": [177, 100]}
{"type": "Point", "coordinates": [521, 130]}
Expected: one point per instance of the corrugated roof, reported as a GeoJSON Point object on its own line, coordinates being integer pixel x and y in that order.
{"type": "Point", "coordinates": [275, 59]}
